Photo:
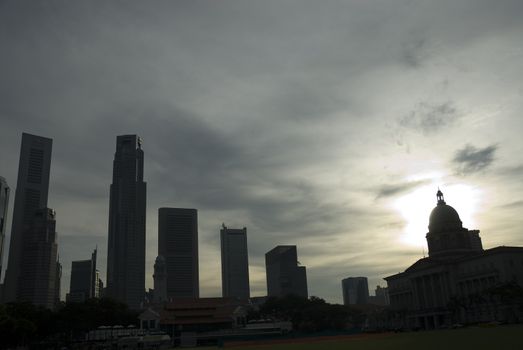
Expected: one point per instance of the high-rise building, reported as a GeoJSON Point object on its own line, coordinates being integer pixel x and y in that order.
{"type": "Point", "coordinates": [32, 188]}
{"type": "Point", "coordinates": [4, 203]}
{"type": "Point", "coordinates": [235, 263]}
{"type": "Point", "coordinates": [58, 283]}
{"type": "Point", "coordinates": [126, 243]}
{"type": "Point", "coordinates": [355, 290]}
{"type": "Point", "coordinates": [284, 276]}
{"type": "Point", "coordinates": [178, 244]}
{"type": "Point", "coordinates": [38, 273]}
{"type": "Point", "coordinates": [160, 281]}
{"type": "Point", "coordinates": [84, 280]}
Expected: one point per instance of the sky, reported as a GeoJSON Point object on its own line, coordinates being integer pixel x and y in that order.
{"type": "Point", "coordinates": [325, 124]}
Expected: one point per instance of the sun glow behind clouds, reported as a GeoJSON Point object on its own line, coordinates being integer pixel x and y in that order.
{"type": "Point", "coordinates": [417, 205]}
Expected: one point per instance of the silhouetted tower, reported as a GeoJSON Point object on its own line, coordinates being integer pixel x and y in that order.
{"type": "Point", "coordinates": [355, 290]}
{"type": "Point", "coordinates": [38, 274]}
{"type": "Point", "coordinates": [284, 276]}
{"type": "Point", "coordinates": [32, 187]}
{"type": "Point", "coordinates": [160, 280]}
{"type": "Point", "coordinates": [126, 244]}
{"type": "Point", "coordinates": [178, 244]}
{"type": "Point", "coordinates": [235, 262]}
{"type": "Point", "coordinates": [4, 203]}
{"type": "Point", "coordinates": [84, 280]}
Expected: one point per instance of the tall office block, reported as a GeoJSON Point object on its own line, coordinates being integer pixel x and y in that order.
{"type": "Point", "coordinates": [84, 280]}
{"type": "Point", "coordinates": [178, 244]}
{"type": "Point", "coordinates": [4, 203]}
{"type": "Point", "coordinates": [235, 263]}
{"type": "Point", "coordinates": [284, 276]}
{"type": "Point", "coordinates": [32, 188]}
{"type": "Point", "coordinates": [38, 272]}
{"type": "Point", "coordinates": [355, 290]}
{"type": "Point", "coordinates": [126, 243]}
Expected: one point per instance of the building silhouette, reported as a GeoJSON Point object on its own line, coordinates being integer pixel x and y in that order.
{"type": "Point", "coordinates": [355, 290]}
{"type": "Point", "coordinates": [38, 279]}
{"type": "Point", "coordinates": [4, 204]}
{"type": "Point", "coordinates": [31, 194]}
{"type": "Point", "coordinates": [84, 282]}
{"type": "Point", "coordinates": [126, 241]}
{"type": "Point", "coordinates": [235, 262]}
{"type": "Point", "coordinates": [381, 296]}
{"type": "Point", "coordinates": [178, 244]}
{"type": "Point", "coordinates": [284, 276]}
{"type": "Point", "coordinates": [160, 281]}
{"type": "Point", "coordinates": [458, 282]}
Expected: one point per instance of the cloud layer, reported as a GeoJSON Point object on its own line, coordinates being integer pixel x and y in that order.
{"type": "Point", "coordinates": [303, 121]}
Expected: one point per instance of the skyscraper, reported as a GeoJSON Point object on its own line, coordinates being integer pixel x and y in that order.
{"type": "Point", "coordinates": [355, 290]}
{"type": "Point", "coordinates": [284, 276]}
{"type": "Point", "coordinates": [235, 262]}
{"type": "Point", "coordinates": [84, 280]}
{"type": "Point", "coordinates": [126, 243]}
{"type": "Point", "coordinates": [4, 203]}
{"type": "Point", "coordinates": [32, 188]}
{"type": "Point", "coordinates": [178, 244]}
{"type": "Point", "coordinates": [38, 273]}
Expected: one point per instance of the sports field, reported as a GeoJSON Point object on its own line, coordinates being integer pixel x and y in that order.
{"type": "Point", "coordinates": [492, 338]}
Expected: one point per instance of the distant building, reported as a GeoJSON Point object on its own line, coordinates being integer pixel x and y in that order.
{"type": "Point", "coordinates": [459, 282]}
{"type": "Point", "coordinates": [235, 263]}
{"type": "Point", "coordinates": [126, 243]}
{"type": "Point", "coordinates": [355, 290]}
{"type": "Point", "coordinates": [38, 274]}
{"type": "Point", "coordinates": [284, 276]}
{"type": "Point", "coordinates": [160, 281]}
{"type": "Point", "coordinates": [178, 244]}
{"type": "Point", "coordinates": [32, 187]}
{"type": "Point", "coordinates": [58, 283]}
{"type": "Point", "coordinates": [84, 280]}
{"type": "Point", "coordinates": [382, 295]}
{"type": "Point", "coordinates": [4, 204]}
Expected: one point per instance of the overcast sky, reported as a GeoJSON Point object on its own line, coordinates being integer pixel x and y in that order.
{"type": "Point", "coordinates": [325, 124]}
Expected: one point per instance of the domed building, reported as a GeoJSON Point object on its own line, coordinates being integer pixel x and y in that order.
{"type": "Point", "coordinates": [459, 282]}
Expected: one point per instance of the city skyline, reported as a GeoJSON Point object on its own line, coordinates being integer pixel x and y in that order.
{"type": "Point", "coordinates": [329, 125]}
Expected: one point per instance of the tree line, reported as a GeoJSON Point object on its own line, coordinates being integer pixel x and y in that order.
{"type": "Point", "coordinates": [24, 324]}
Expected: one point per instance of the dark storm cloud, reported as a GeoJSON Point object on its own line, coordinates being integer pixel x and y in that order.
{"type": "Point", "coordinates": [430, 118]}
{"type": "Point", "coordinates": [391, 190]}
{"type": "Point", "coordinates": [471, 160]}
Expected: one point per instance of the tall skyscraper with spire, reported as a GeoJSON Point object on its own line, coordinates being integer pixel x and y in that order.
{"type": "Point", "coordinates": [32, 189]}
{"type": "Point", "coordinates": [126, 244]}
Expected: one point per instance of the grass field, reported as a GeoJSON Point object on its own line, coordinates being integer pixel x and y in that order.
{"type": "Point", "coordinates": [495, 338]}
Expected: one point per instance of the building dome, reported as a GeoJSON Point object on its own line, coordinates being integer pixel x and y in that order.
{"type": "Point", "coordinates": [443, 217]}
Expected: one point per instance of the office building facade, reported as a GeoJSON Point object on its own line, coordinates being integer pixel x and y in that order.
{"type": "Point", "coordinates": [37, 282]}
{"type": "Point", "coordinates": [4, 204]}
{"type": "Point", "coordinates": [355, 290]}
{"type": "Point", "coordinates": [284, 276]}
{"type": "Point", "coordinates": [235, 263]}
{"type": "Point", "coordinates": [178, 244]}
{"type": "Point", "coordinates": [126, 241]}
{"type": "Point", "coordinates": [31, 194]}
{"type": "Point", "coordinates": [84, 280]}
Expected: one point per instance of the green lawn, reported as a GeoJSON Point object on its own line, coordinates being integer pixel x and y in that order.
{"type": "Point", "coordinates": [494, 338]}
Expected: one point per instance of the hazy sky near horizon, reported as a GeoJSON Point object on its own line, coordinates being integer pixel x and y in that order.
{"type": "Point", "coordinates": [325, 124]}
